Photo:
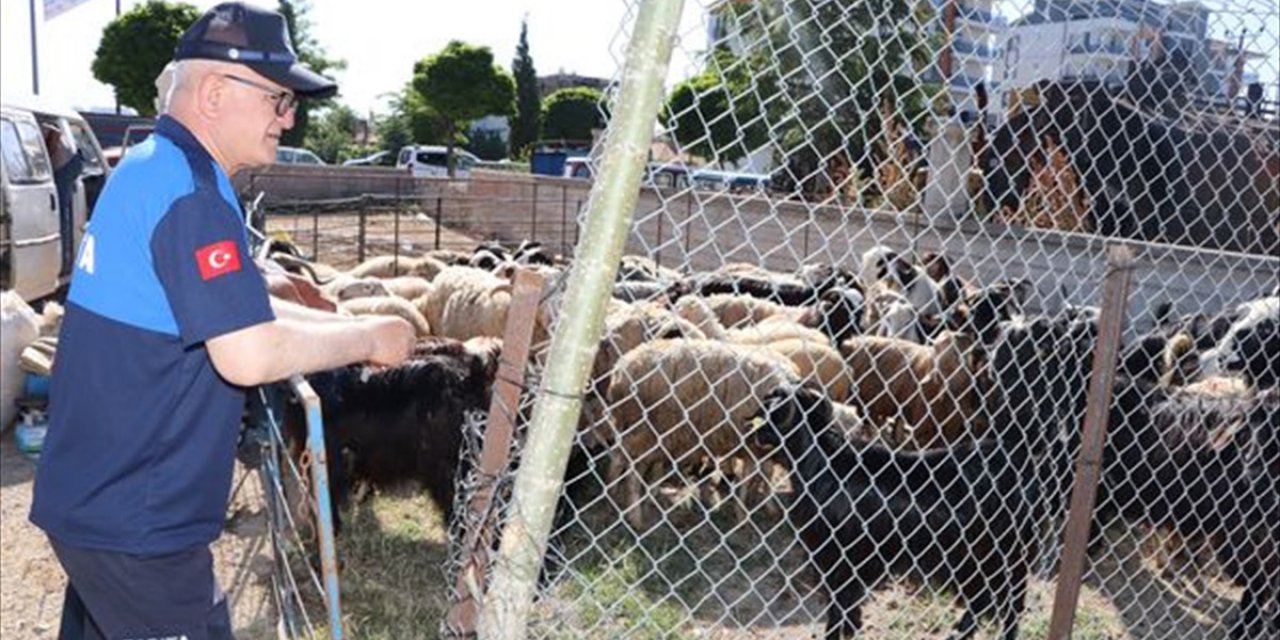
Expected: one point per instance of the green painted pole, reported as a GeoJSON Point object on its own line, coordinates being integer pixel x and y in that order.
{"type": "Point", "coordinates": [573, 347]}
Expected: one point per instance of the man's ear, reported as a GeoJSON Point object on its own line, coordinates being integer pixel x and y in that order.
{"type": "Point", "coordinates": [211, 95]}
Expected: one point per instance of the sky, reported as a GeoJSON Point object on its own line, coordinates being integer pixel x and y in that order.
{"type": "Point", "coordinates": [379, 39]}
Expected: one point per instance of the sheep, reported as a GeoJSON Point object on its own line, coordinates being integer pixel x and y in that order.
{"type": "Point", "coordinates": [389, 306]}
{"type": "Point", "coordinates": [479, 310]}
{"type": "Point", "coordinates": [346, 287]}
{"type": "Point", "coordinates": [625, 328]}
{"type": "Point", "coordinates": [407, 287]}
{"type": "Point", "coordinates": [1204, 466]}
{"type": "Point", "coordinates": [697, 310]}
{"type": "Point", "coordinates": [757, 282]}
{"type": "Point", "coordinates": [634, 268]}
{"type": "Point", "coordinates": [400, 424]}
{"type": "Point", "coordinates": [383, 267]}
{"type": "Point", "coordinates": [889, 314]}
{"type": "Point", "coordinates": [683, 401]}
{"type": "Point", "coordinates": [931, 392]}
{"type": "Point", "coordinates": [964, 518]}
{"type": "Point", "coordinates": [819, 365]}
{"type": "Point", "coordinates": [449, 257]}
{"type": "Point", "coordinates": [1250, 346]}
{"type": "Point", "coordinates": [734, 311]}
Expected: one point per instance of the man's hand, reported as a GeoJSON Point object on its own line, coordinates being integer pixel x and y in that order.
{"type": "Point", "coordinates": [393, 339]}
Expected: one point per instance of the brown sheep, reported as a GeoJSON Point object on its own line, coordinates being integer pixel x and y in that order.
{"type": "Point", "coordinates": [931, 392]}
{"type": "Point", "coordinates": [683, 402]}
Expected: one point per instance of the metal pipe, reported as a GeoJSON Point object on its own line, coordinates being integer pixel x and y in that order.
{"type": "Point", "coordinates": [320, 493]}
{"type": "Point", "coordinates": [573, 348]}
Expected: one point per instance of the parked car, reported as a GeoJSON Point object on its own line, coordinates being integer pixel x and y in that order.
{"type": "Point", "coordinates": [379, 159]}
{"type": "Point", "coordinates": [295, 155]}
{"type": "Point", "coordinates": [32, 261]}
{"type": "Point", "coordinates": [432, 161]}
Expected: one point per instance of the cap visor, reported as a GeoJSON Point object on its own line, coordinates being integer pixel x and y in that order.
{"type": "Point", "coordinates": [301, 80]}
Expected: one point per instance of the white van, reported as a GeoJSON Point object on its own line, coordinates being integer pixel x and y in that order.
{"type": "Point", "coordinates": [432, 161]}
{"type": "Point", "coordinates": [32, 257]}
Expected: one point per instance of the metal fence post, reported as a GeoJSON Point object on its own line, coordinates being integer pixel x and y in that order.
{"type": "Point", "coordinates": [1115, 302]}
{"type": "Point", "coordinates": [533, 232]}
{"type": "Point", "coordinates": [439, 223]}
{"type": "Point", "coordinates": [320, 493]}
{"type": "Point", "coordinates": [360, 235]}
{"type": "Point", "coordinates": [613, 200]}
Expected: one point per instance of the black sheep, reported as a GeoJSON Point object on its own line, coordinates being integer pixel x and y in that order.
{"type": "Point", "coordinates": [962, 518]}
{"type": "Point", "coordinates": [1206, 467]}
{"type": "Point", "coordinates": [400, 424]}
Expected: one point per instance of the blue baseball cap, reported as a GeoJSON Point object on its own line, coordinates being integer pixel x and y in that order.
{"type": "Point", "coordinates": [257, 38]}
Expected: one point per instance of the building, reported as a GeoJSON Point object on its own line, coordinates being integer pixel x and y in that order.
{"type": "Point", "coordinates": [972, 51]}
{"type": "Point", "coordinates": [557, 81]}
{"type": "Point", "coordinates": [1104, 40]}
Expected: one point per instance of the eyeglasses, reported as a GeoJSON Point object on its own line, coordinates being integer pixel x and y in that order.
{"type": "Point", "coordinates": [285, 101]}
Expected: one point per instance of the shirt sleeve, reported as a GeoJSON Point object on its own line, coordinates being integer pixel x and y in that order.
{"type": "Point", "coordinates": [202, 261]}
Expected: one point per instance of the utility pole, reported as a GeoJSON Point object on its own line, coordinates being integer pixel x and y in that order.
{"type": "Point", "coordinates": [116, 93]}
{"type": "Point", "coordinates": [35, 61]}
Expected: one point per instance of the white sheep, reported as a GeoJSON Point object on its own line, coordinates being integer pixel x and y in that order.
{"type": "Point", "coordinates": [388, 306]}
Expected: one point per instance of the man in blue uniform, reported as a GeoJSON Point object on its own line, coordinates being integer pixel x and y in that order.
{"type": "Point", "coordinates": [166, 321]}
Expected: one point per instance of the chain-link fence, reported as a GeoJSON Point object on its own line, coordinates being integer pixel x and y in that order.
{"type": "Point", "coordinates": [844, 375]}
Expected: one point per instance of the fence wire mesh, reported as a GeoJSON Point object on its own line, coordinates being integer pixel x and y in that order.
{"type": "Point", "coordinates": [843, 378]}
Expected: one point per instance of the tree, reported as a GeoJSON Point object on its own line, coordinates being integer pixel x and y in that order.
{"type": "Point", "coordinates": [462, 84]}
{"type": "Point", "coordinates": [487, 145]}
{"type": "Point", "coordinates": [332, 134]}
{"type": "Point", "coordinates": [839, 62]}
{"type": "Point", "coordinates": [136, 46]}
{"type": "Point", "coordinates": [524, 129]}
{"type": "Point", "coordinates": [312, 55]}
{"type": "Point", "coordinates": [571, 113]}
{"type": "Point", "coordinates": [717, 113]}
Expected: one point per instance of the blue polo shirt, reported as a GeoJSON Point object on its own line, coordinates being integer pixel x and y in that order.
{"type": "Point", "coordinates": [141, 443]}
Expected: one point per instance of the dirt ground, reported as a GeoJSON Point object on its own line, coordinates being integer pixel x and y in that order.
{"type": "Point", "coordinates": [32, 583]}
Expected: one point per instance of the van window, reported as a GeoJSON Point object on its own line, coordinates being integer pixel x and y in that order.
{"type": "Point", "coordinates": [405, 154]}
{"type": "Point", "coordinates": [93, 162]}
{"type": "Point", "coordinates": [24, 154]}
{"type": "Point", "coordinates": [433, 158]}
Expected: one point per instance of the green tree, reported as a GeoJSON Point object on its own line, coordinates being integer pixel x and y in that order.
{"type": "Point", "coordinates": [332, 133]}
{"type": "Point", "coordinates": [410, 122]}
{"type": "Point", "coordinates": [571, 113]}
{"type": "Point", "coordinates": [487, 145]}
{"type": "Point", "coordinates": [136, 46]}
{"type": "Point", "coordinates": [717, 113]}
{"type": "Point", "coordinates": [524, 129]}
{"type": "Point", "coordinates": [462, 84]}
{"type": "Point", "coordinates": [312, 55]}
{"type": "Point", "coordinates": [839, 63]}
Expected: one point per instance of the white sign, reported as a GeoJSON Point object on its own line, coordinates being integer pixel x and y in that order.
{"type": "Point", "coordinates": [55, 8]}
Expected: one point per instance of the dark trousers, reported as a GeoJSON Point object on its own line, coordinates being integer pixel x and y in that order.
{"type": "Point", "coordinates": [118, 596]}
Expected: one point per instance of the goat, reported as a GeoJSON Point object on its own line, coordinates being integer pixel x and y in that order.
{"type": "Point", "coordinates": [400, 424]}
{"type": "Point", "coordinates": [1204, 466]}
{"type": "Point", "coordinates": [962, 517]}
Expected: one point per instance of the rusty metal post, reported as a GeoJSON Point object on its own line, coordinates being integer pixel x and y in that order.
{"type": "Point", "coordinates": [498, 432]}
{"type": "Point", "coordinates": [439, 213]}
{"type": "Point", "coordinates": [360, 234]}
{"type": "Point", "coordinates": [533, 232]}
{"type": "Point", "coordinates": [1115, 303]}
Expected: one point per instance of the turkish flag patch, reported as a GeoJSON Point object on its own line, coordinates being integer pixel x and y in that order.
{"type": "Point", "coordinates": [217, 259]}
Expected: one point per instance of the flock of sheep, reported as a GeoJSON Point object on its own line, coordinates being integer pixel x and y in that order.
{"type": "Point", "coordinates": [907, 422]}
